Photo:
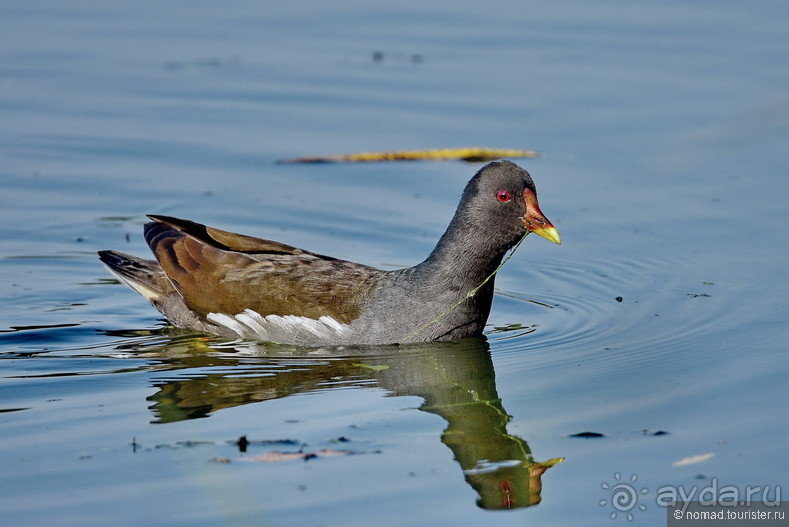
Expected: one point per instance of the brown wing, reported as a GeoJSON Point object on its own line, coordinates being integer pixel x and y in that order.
{"type": "Point", "coordinates": [222, 272]}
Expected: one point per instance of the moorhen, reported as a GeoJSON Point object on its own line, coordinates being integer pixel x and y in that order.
{"type": "Point", "coordinates": [229, 284]}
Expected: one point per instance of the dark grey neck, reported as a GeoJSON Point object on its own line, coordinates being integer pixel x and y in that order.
{"type": "Point", "coordinates": [464, 256]}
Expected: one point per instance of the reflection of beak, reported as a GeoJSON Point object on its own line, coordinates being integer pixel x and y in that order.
{"type": "Point", "coordinates": [535, 221]}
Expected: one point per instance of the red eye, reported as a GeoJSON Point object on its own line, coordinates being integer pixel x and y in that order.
{"type": "Point", "coordinates": [503, 196]}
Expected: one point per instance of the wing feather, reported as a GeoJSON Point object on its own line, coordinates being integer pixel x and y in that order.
{"type": "Point", "coordinates": [218, 271]}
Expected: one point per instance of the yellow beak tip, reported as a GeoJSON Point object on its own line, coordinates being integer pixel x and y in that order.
{"type": "Point", "coordinates": [550, 234]}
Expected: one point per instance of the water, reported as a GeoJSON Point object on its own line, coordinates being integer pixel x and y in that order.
{"type": "Point", "coordinates": [663, 129]}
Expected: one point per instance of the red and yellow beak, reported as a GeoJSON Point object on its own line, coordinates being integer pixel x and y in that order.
{"type": "Point", "coordinates": [535, 221]}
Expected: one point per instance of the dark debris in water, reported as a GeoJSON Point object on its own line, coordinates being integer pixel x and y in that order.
{"type": "Point", "coordinates": [243, 443]}
{"type": "Point", "coordinates": [267, 442]}
{"type": "Point", "coordinates": [655, 432]}
{"type": "Point", "coordinates": [185, 444]}
{"type": "Point", "coordinates": [275, 456]}
{"type": "Point", "coordinates": [379, 56]}
{"type": "Point", "coordinates": [592, 435]}
{"type": "Point", "coordinates": [272, 456]}
{"type": "Point", "coordinates": [587, 435]}
{"type": "Point", "coordinates": [698, 295]}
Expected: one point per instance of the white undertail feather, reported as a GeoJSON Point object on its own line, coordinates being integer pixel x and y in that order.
{"type": "Point", "coordinates": [289, 329]}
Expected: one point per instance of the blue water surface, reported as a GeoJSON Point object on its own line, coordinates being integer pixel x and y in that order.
{"type": "Point", "coordinates": [648, 350]}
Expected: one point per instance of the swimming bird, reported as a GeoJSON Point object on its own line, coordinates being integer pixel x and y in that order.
{"type": "Point", "coordinates": [219, 282]}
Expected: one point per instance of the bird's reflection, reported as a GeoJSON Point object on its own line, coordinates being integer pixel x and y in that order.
{"type": "Point", "coordinates": [456, 381]}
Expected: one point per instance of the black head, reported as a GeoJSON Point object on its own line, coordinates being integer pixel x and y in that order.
{"type": "Point", "coordinates": [501, 201]}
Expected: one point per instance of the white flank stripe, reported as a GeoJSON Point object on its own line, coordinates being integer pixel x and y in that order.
{"type": "Point", "coordinates": [290, 329]}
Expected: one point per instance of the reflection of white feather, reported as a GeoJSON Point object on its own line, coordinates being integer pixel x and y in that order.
{"type": "Point", "coordinates": [289, 329]}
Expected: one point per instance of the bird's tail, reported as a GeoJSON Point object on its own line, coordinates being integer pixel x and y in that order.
{"type": "Point", "coordinates": [144, 276]}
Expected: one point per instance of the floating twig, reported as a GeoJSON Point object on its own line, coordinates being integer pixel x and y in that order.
{"type": "Point", "coordinates": [469, 154]}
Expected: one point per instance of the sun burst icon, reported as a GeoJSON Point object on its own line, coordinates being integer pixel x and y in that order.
{"type": "Point", "coordinates": [623, 497]}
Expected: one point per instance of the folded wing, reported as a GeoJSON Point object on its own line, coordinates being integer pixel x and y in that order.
{"type": "Point", "coordinates": [216, 271]}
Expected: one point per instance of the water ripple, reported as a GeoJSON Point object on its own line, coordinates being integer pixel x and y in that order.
{"type": "Point", "coordinates": [630, 311]}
